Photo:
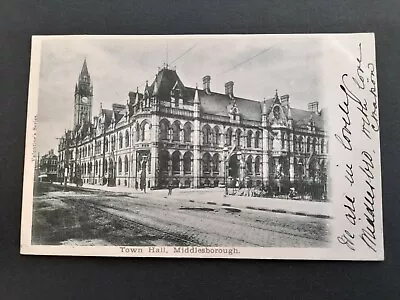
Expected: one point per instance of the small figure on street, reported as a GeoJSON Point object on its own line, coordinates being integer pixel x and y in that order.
{"type": "Point", "coordinates": [170, 187]}
{"type": "Point", "coordinates": [292, 193]}
{"type": "Point", "coordinates": [136, 185]}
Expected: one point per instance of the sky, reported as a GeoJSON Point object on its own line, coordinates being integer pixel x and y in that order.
{"type": "Point", "coordinates": [258, 65]}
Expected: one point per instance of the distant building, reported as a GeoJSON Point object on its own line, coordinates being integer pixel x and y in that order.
{"type": "Point", "coordinates": [48, 166]}
{"type": "Point", "coordinates": [193, 137]}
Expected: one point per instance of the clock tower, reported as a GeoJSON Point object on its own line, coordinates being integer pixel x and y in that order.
{"type": "Point", "coordinates": [83, 97]}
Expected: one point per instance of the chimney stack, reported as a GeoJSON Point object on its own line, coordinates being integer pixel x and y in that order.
{"type": "Point", "coordinates": [313, 106]}
{"type": "Point", "coordinates": [229, 89]}
{"type": "Point", "coordinates": [206, 83]}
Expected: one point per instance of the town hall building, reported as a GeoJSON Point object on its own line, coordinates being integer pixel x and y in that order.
{"type": "Point", "coordinates": [170, 133]}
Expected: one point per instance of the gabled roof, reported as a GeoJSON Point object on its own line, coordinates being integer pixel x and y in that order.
{"type": "Point", "coordinates": [118, 115]}
{"type": "Point", "coordinates": [107, 116]}
{"type": "Point", "coordinates": [164, 82]}
{"type": "Point", "coordinates": [220, 104]}
{"type": "Point", "coordinates": [303, 117]}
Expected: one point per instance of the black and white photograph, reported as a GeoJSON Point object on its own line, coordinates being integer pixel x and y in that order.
{"type": "Point", "coordinates": [217, 146]}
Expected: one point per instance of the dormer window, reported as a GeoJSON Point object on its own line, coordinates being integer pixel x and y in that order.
{"type": "Point", "coordinates": [277, 112]}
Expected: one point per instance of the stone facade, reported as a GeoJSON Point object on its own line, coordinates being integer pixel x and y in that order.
{"type": "Point", "coordinates": [189, 136]}
{"type": "Point", "coordinates": [48, 165]}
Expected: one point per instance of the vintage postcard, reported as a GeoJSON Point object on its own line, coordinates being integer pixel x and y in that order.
{"type": "Point", "coordinates": [206, 146]}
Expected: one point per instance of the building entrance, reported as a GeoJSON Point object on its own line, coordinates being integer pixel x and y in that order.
{"type": "Point", "coordinates": [234, 167]}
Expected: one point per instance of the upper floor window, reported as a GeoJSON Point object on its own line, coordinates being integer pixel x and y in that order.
{"type": "Point", "coordinates": [127, 138]}
{"type": "Point", "coordinates": [120, 140]}
{"type": "Point", "coordinates": [249, 138]}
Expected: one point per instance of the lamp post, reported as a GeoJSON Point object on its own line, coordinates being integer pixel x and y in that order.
{"type": "Point", "coordinates": [239, 156]}
{"type": "Point", "coordinates": [225, 150]}
{"type": "Point", "coordinates": [143, 165]}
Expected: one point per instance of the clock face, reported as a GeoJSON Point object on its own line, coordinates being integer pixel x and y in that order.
{"type": "Point", "coordinates": [85, 100]}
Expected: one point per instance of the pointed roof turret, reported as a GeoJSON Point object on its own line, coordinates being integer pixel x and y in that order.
{"type": "Point", "coordinates": [276, 98]}
{"type": "Point", "coordinates": [84, 76]}
{"type": "Point", "coordinates": [155, 90]}
{"type": "Point", "coordinates": [196, 95]}
{"type": "Point", "coordinates": [84, 70]}
{"type": "Point", "coordinates": [137, 96]}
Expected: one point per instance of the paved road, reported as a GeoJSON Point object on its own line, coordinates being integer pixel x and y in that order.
{"type": "Point", "coordinates": [154, 219]}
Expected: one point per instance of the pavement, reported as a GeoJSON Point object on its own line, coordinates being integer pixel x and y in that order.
{"type": "Point", "coordinates": [216, 196]}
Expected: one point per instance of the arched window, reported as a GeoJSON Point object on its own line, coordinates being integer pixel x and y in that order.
{"type": "Point", "coordinates": [322, 145]}
{"type": "Point", "coordinates": [314, 145]}
{"type": "Point", "coordinates": [323, 175]}
{"type": "Point", "coordinates": [126, 164]}
{"type": "Point", "coordinates": [163, 161]}
{"type": "Point", "coordinates": [229, 137]}
{"type": "Point", "coordinates": [105, 165]}
{"type": "Point", "coordinates": [187, 132]}
{"type": "Point", "coordinates": [126, 138]}
{"type": "Point", "coordinates": [249, 165]}
{"type": "Point", "coordinates": [238, 136]}
{"type": "Point", "coordinates": [145, 131]}
{"type": "Point", "coordinates": [206, 163]}
{"type": "Point", "coordinates": [119, 165]}
{"type": "Point", "coordinates": [257, 140]}
{"type": "Point", "coordinates": [111, 167]}
{"type": "Point", "coordinates": [216, 163]}
{"type": "Point", "coordinates": [249, 138]}
{"type": "Point", "coordinates": [308, 145]}
{"type": "Point", "coordinates": [187, 163]}
{"type": "Point", "coordinates": [164, 126]}
{"type": "Point", "coordinates": [120, 140]}
{"type": "Point", "coordinates": [112, 143]}
{"type": "Point", "coordinates": [106, 145]}
{"type": "Point", "coordinates": [257, 165]}
{"type": "Point", "coordinates": [137, 132]}
{"type": "Point", "coordinates": [217, 139]}
{"type": "Point", "coordinates": [149, 164]}
{"type": "Point", "coordinates": [176, 162]}
{"type": "Point", "coordinates": [176, 131]}
{"type": "Point", "coordinates": [300, 144]}
{"type": "Point", "coordinates": [206, 135]}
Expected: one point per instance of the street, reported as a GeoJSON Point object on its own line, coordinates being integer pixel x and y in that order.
{"type": "Point", "coordinates": [96, 217]}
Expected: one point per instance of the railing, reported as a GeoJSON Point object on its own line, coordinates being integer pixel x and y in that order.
{"type": "Point", "coordinates": [251, 123]}
{"type": "Point", "coordinates": [215, 118]}
{"type": "Point", "coordinates": [177, 111]}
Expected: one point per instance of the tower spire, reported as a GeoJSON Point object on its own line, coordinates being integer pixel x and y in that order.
{"type": "Point", "coordinates": [84, 70]}
{"type": "Point", "coordinates": [167, 56]}
{"type": "Point", "coordinates": [196, 95]}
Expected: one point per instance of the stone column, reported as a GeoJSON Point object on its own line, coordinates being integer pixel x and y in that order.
{"type": "Point", "coordinates": [181, 173]}
{"type": "Point", "coordinates": [196, 154]}
{"type": "Point", "coordinates": [265, 156]}
{"type": "Point", "coordinates": [154, 149]}
{"type": "Point", "coordinates": [292, 161]}
{"type": "Point", "coordinates": [291, 168]}
{"type": "Point", "coordinates": [196, 140]}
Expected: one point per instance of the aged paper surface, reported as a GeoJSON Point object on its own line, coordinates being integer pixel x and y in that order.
{"type": "Point", "coordinates": [212, 146]}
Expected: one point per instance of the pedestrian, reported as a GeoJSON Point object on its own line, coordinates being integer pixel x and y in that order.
{"type": "Point", "coordinates": [170, 188]}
